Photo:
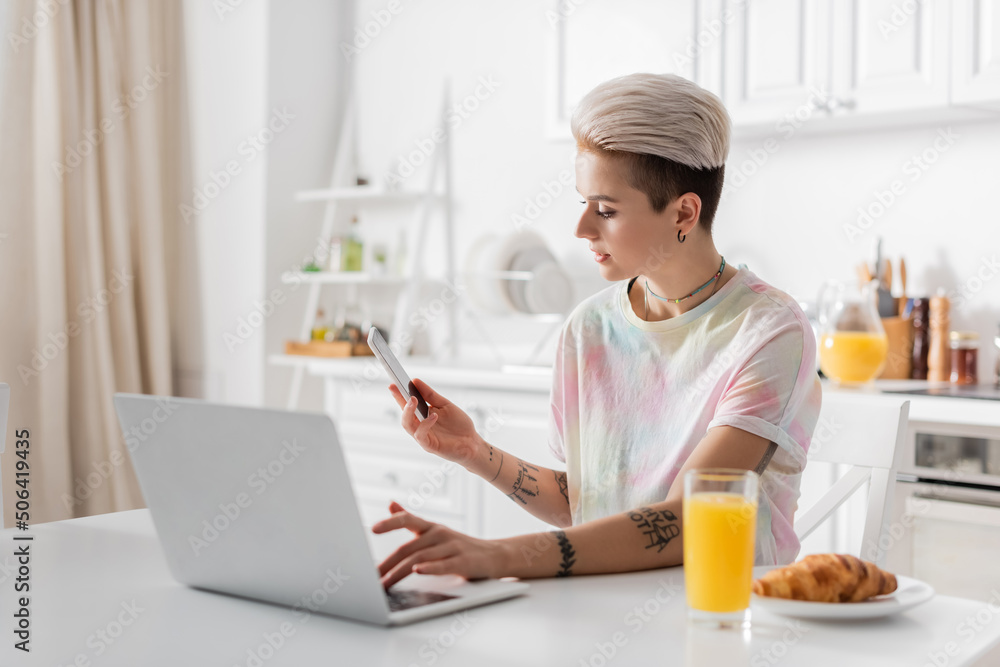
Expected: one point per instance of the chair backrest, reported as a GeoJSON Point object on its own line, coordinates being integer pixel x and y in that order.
{"type": "Point", "coordinates": [866, 432]}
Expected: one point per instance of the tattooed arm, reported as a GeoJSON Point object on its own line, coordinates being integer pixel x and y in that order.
{"type": "Point", "coordinates": [640, 539]}
{"type": "Point", "coordinates": [449, 433]}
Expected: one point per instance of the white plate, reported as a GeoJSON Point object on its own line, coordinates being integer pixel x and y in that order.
{"type": "Point", "coordinates": [908, 594]}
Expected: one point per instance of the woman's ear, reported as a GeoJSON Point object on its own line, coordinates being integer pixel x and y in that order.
{"type": "Point", "coordinates": [688, 212]}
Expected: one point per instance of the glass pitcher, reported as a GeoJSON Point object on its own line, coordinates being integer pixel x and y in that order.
{"type": "Point", "coordinates": [852, 343]}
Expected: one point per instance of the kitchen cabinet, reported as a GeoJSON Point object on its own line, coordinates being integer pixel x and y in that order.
{"type": "Point", "coordinates": [975, 36]}
{"type": "Point", "coordinates": [806, 60]}
{"type": "Point", "coordinates": [776, 59]}
{"type": "Point", "coordinates": [888, 55]}
{"type": "Point", "coordinates": [592, 42]}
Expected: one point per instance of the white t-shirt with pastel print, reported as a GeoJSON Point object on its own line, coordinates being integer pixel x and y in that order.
{"type": "Point", "coordinates": [631, 399]}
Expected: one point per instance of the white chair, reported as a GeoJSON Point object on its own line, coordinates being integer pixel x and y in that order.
{"type": "Point", "coordinates": [865, 431]}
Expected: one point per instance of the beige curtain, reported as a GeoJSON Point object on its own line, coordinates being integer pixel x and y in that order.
{"type": "Point", "coordinates": [93, 161]}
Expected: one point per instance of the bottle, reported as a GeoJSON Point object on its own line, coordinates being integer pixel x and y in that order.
{"type": "Point", "coordinates": [320, 326]}
{"type": "Point", "coordinates": [921, 338]}
{"type": "Point", "coordinates": [964, 357]}
{"type": "Point", "coordinates": [336, 258]}
{"type": "Point", "coordinates": [938, 359]}
{"type": "Point", "coordinates": [353, 248]}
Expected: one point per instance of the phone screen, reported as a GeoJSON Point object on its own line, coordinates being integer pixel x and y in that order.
{"type": "Point", "coordinates": [395, 370]}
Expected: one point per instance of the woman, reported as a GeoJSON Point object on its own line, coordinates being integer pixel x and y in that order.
{"type": "Point", "coordinates": [684, 362]}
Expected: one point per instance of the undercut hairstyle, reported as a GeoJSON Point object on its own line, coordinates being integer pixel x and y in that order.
{"type": "Point", "coordinates": [670, 135]}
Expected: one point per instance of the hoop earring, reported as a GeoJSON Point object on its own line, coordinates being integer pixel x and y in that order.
{"type": "Point", "coordinates": [680, 239]}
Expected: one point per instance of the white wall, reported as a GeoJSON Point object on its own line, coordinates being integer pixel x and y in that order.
{"type": "Point", "coordinates": [786, 222]}
{"type": "Point", "coordinates": [227, 70]}
{"type": "Point", "coordinates": [307, 76]}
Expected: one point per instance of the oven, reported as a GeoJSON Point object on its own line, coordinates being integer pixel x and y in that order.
{"type": "Point", "coordinates": [945, 526]}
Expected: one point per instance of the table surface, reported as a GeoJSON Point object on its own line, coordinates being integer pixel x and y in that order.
{"type": "Point", "coordinates": [102, 595]}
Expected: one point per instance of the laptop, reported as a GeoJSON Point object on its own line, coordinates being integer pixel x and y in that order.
{"type": "Point", "coordinates": [258, 503]}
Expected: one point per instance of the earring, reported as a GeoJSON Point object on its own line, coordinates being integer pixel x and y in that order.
{"type": "Point", "coordinates": [680, 239]}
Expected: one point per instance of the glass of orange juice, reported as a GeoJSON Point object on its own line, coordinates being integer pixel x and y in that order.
{"type": "Point", "coordinates": [720, 524]}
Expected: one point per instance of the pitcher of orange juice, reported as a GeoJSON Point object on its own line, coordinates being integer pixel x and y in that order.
{"type": "Point", "coordinates": [852, 343]}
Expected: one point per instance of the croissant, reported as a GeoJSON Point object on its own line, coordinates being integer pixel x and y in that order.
{"type": "Point", "coordinates": [826, 578]}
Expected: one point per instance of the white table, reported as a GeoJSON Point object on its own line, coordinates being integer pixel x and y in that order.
{"type": "Point", "coordinates": [107, 574]}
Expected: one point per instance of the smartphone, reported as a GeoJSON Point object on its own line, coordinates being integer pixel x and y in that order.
{"type": "Point", "coordinates": [395, 370]}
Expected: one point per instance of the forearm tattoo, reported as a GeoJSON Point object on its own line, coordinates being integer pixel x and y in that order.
{"type": "Point", "coordinates": [568, 555]}
{"type": "Point", "coordinates": [499, 468]}
{"type": "Point", "coordinates": [563, 485]}
{"type": "Point", "coordinates": [660, 526]}
{"type": "Point", "coordinates": [526, 485]}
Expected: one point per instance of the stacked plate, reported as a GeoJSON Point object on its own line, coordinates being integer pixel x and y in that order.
{"type": "Point", "coordinates": [517, 273]}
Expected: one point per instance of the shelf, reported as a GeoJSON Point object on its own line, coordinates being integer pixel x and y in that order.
{"type": "Point", "coordinates": [339, 277]}
{"type": "Point", "coordinates": [364, 193]}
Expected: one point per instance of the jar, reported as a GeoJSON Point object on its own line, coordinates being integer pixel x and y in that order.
{"type": "Point", "coordinates": [964, 357]}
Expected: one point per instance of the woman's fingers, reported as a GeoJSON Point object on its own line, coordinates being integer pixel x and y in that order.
{"type": "Point", "coordinates": [400, 399]}
{"type": "Point", "coordinates": [424, 541]}
{"type": "Point", "coordinates": [406, 565]}
{"type": "Point", "coordinates": [402, 519]}
{"type": "Point", "coordinates": [450, 565]}
{"type": "Point", "coordinates": [430, 396]}
{"type": "Point", "coordinates": [409, 418]}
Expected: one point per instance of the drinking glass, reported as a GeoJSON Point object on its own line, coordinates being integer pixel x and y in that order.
{"type": "Point", "coordinates": [720, 524]}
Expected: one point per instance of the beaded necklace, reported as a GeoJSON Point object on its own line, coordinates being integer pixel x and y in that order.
{"type": "Point", "coordinates": [645, 300]}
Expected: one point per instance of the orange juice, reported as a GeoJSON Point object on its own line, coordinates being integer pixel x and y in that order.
{"type": "Point", "coordinates": [853, 356]}
{"type": "Point", "coordinates": [719, 531]}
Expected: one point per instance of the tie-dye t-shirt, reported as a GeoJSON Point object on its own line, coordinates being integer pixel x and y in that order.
{"type": "Point", "coordinates": [631, 399]}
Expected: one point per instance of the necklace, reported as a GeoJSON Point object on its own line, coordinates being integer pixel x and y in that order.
{"type": "Point", "coordinates": [647, 291]}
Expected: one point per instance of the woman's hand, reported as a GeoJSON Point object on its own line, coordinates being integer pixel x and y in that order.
{"type": "Point", "coordinates": [447, 432]}
{"type": "Point", "coordinates": [437, 550]}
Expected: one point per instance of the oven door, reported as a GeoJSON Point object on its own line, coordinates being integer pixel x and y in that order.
{"type": "Point", "coordinates": [946, 535]}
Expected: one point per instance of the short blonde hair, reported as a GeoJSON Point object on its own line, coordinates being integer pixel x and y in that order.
{"type": "Point", "coordinates": [671, 134]}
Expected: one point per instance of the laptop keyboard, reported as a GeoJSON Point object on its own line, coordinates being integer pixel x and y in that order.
{"type": "Point", "coordinates": [400, 600]}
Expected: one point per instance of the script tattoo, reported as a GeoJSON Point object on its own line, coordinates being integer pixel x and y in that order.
{"type": "Point", "coordinates": [568, 555]}
{"type": "Point", "coordinates": [659, 526]}
{"type": "Point", "coordinates": [563, 485]}
{"type": "Point", "coordinates": [525, 484]}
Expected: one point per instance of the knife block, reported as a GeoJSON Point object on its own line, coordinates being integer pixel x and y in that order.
{"type": "Point", "coordinates": [899, 359]}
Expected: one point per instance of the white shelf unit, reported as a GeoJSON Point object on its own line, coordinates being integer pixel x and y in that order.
{"type": "Point", "coordinates": [343, 198]}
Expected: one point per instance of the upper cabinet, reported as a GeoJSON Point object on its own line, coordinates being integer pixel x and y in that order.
{"type": "Point", "coordinates": [975, 37]}
{"type": "Point", "coordinates": [833, 63]}
{"type": "Point", "coordinates": [889, 55]}
{"type": "Point", "coordinates": [776, 58]}
{"type": "Point", "coordinates": [599, 40]}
